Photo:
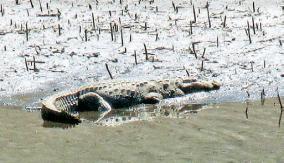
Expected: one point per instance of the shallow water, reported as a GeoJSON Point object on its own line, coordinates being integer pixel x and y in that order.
{"type": "Point", "coordinates": [219, 133]}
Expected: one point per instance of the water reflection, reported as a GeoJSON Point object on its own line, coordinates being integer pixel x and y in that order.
{"type": "Point", "coordinates": [136, 113]}
{"type": "Point", "coordinates": [143, 112]}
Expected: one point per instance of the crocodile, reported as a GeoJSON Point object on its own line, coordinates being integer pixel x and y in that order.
{"type": "Point", "coordinates": [106, 95]}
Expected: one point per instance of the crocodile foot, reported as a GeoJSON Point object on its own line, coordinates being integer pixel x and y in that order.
{"type": "Point", "coordinates": [93, 101]}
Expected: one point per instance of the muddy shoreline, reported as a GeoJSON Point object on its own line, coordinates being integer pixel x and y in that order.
{"type": "Point", "coordinates": [61, 49]}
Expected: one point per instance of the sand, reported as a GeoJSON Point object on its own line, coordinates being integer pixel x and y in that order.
{"type": "Point", "coordinates": [236, 63]}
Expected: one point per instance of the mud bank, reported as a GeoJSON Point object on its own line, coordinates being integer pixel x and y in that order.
{"type": "Point", "coordinates": [70, 42]}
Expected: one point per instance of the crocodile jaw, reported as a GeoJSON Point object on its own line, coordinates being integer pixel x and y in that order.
{"type": "Point", "coordinates": [198, 86]}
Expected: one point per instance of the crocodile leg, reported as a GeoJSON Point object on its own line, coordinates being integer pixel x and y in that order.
{"type": "Point", "coordinates": [93, 101]}
{"type": "Point", "coordinates": [176, 93]}
{"type": "Point", "coordinates": [152, 98]}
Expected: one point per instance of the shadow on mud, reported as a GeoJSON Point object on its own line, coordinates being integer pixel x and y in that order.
{"type": "Point", "coordinates": [50, 124]}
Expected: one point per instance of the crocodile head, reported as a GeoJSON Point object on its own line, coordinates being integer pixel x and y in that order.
{"type": "Point", "coordinates": [189, 85]}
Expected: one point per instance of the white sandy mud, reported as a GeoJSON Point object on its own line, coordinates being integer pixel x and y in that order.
{"type": "Point", "coordinates": [76, 54]}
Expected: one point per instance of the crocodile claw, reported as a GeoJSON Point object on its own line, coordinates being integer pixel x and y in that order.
{"type": "Point", "coordinates": [152, 98]}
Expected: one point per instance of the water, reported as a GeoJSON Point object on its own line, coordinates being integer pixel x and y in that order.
{"type": "Point", "coordinates": [219, 133]}
{"type": "Point", "coordinates": [142, 112]}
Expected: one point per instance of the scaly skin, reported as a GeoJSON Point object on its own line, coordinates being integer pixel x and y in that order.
{"type": "Point", "coordinates": [117, 94]}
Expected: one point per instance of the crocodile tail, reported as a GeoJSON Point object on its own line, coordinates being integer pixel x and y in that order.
{"type": "Point", "coordinates": [49, 112]}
